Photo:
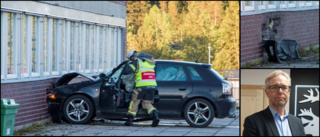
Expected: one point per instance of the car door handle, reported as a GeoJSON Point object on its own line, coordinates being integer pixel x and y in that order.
{"type": "Point", "coordinates": [182, 88]}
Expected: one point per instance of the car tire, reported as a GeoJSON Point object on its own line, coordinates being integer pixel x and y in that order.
{"type": "Point", "coordinates": [199, 113]}
{"type": "Point", "coordinates": [78, 109]}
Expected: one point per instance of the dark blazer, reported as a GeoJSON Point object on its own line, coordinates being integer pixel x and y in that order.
{"type": "Point", "coordinates": [262, 124]}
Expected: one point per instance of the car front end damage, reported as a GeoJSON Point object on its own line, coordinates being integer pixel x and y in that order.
{"type": "Point", "coordinates": [60, 90]}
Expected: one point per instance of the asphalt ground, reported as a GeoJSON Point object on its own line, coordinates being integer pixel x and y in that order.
{"type": "Point", "coordinates": [219, 127]}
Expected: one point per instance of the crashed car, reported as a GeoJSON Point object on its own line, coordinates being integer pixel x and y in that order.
{"type": "Point", "coordinates": [191, 91]}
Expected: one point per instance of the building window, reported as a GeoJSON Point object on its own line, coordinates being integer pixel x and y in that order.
{"type": "Point", "coordinates": [309, 3]}
{"type": "Point", "coordinates": [10, 45]}
{"type": "Point", "coordinates": [258, 7]}
{"type": "Point", "coordinates": [283, 4]}
{"type": "Point", "coordinates": [262, 5]}
{"type": "Point", "coordinates": [292, 4]}
{"type": "Point", "coordinates": [301, 3]}
{"type": "Point", "coordinates": [249, 5]}
{"type": "Point", "coordinates": [271, 4]}
{"type": "Point", "coordinates": [41, 46]}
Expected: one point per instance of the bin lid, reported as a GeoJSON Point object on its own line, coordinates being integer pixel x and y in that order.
{"type": "Point", "coordinates": [8, 102]}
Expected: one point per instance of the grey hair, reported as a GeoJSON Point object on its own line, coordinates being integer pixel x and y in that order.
{"type": "Point", "coordinates": [276, 73]}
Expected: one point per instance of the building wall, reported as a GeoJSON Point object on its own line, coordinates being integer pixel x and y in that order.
{"type": "Point", "coordinates": [30, 91]}
{"type": "Point", "coordinates": [31, 96]}
{"type": "Point", "coordinates": [302, 26]}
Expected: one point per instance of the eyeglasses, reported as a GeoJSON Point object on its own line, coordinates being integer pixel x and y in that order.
{"type": "Point", "coordinates": [276, 88]}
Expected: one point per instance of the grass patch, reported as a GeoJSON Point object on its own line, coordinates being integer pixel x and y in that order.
{"type": "Point", "coordinates": [302, 52]}
{"type": "Point", "coordinates": [31, 128]}
{"type": "Point", "coordinates": [256, 62]}
{"type": "Point", "coordinates": [252, 64]}
{"type": "Point", "coordinates": [314, 48]}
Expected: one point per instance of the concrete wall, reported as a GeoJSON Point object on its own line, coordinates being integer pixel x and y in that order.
{"type": "Point", "coordinates": [110, 8]}
{"type": "Point", "coordinates": [302, 26]}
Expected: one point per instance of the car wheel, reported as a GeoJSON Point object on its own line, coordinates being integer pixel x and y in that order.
{"type": "Point", "coordinates": [78, 109]}
{"type": "Point", "coordinates": [199, 113]}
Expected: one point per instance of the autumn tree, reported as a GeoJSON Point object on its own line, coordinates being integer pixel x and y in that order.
{"type": "Point", "coordinates": [197, 33]}
{"type": "Point", "coordinates": [155, 35]}
{"type": "Point", "coordinates": [227, 43]}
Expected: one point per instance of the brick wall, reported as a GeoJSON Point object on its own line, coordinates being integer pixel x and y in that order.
{"type": "Point", "coordinates": [302, 26]}
{"type": "Point", "coordinates": [31, 96]}
{"type": "Point", "coordinates": [32, 99]}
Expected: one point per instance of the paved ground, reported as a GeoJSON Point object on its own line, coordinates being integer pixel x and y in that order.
{"type": "Point", "coordinates": [219, 127]}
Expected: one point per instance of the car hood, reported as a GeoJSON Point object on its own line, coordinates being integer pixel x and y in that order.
{"type": "Point", "coordinates": [66, 78]}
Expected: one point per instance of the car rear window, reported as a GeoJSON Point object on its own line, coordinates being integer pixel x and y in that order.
{"type": "Point", "coordinates": [170, 72]}
{"type": "Point", "coordinates": [194, 74]}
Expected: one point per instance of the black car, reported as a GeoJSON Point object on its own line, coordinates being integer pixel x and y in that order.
{"type": "Point", "coordinates": [191, 91]}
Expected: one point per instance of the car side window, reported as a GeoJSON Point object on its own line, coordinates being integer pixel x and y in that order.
{"type": "Point", "coordinates": [170, 72]}
{"type": "Point", "coordinates": [115, 76]}
{"type": "Point", "coordinates": [194, 74]}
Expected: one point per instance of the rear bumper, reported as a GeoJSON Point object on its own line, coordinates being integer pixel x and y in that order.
{"type": "Point", "coordinates": [227, 107]}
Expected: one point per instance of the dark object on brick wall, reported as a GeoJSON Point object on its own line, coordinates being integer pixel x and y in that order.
{"type": "Point", "coordinates": [54, 113]}
{"type": "Point", "coordinates": [287, 49]}
{"type": "Point", "coordinates": [270, 47]}
{"type": "Point", "coordinates": [290, 49]}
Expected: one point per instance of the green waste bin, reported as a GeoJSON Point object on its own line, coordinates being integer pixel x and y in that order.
{"type": "Point", "coordinates": [8, 113]}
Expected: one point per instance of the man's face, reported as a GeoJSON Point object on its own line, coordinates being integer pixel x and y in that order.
{"type": "Point", "coordinates": [132, 58]}
{"type": "Point", "coordinates": [280, 97]}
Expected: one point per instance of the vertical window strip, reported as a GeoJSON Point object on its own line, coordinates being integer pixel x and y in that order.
{"type": "Point", "coordinates": [4, 42]}
{"type": "Point", "coordinates": [83, 48]}
{"type": "Point", "coordinates": [90, 49]}
{"type": "Point", "coordinates": [109, 48]}
{"type": "Point", "coordinates": [49, 45]}
{"type": "Point", "coordinates": [113, 58]}
{"type": "Point", "coordinates": [119, 44]}
{"type": "Point", "coordinates": [67, 46]}
{"type": "Point", "coordinates": [59, 43]}
{"type": "Point", "coordinates": [10, 45]}
{"type": "Point", "coordinates": [77, 46]}
{"type": "Point", "coordinates": [29, 45]}
{"type": "Point", "coordinates": [16, 46]}
{"type": "Point", "coordinates": [107, 54]}
{"type": "Point", "coordinates": [63, 47]}
{"type": "Point", "coordinates": [96, 52]}
{"type": "Point", "coordinates": [45, 47]}
{"type": "Point", "coordinates": [23, 48]}
{"type": "Point", "coordinates": [103, 45]}
{"type": "Point", "coordinates": [54, 47]}
{"type": "Point", "coordinates": [40, 45]}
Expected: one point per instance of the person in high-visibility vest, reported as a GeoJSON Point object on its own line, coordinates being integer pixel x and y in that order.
{"type": "Point", "coordinates": [145, 87]}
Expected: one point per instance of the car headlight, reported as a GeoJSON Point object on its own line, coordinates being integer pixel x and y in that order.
{"type": "Point", "coordinates": [226, 88]}
{"type": "Point", "coordinates": [52, 96]}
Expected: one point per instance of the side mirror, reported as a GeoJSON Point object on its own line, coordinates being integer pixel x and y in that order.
{"type": "Point", "coordinates": [103, 77]}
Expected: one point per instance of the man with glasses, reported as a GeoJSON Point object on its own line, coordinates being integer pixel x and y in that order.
{"type": "Point", "coordinates": [275, 120]}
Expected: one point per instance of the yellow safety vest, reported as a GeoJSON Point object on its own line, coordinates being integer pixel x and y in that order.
{"type": "Point", "coordinates": [145, 75]}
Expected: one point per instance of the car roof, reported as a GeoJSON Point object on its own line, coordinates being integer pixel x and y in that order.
{"type": "Point", "coordinates": [183, 62]}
